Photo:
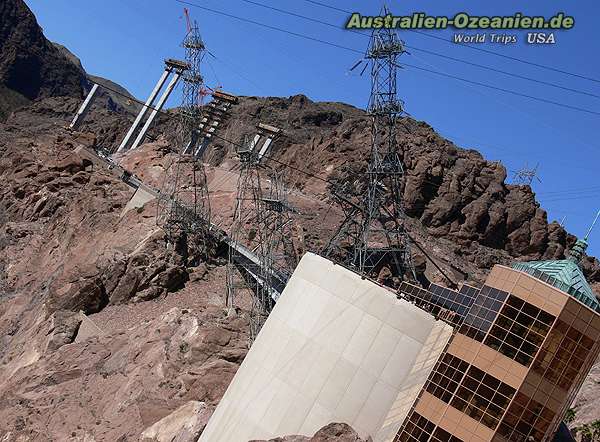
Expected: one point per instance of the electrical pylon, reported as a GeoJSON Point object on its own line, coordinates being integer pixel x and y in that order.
{"type": "Point", "coordinates": [184, 206]}
{"type": "Point", "coordinates": [525, 175]}
{"type": "Point", "coordinates": [262, 225]}
{"type": "Point", "coordinates": [374, 228]}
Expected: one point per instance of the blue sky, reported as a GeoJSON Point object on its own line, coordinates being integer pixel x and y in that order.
{"type": "Point", "coordinates": [126, 40]}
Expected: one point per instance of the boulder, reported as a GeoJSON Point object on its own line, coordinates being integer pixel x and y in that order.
{"type": "Point", "coordinates": [183, 425]}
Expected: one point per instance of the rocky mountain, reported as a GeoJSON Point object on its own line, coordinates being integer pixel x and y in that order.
{"type": "Point", "coordinates": [108, 334]}
{"type": "Point", "coordinates": [116, 97]}
{"type": "Point", "coordinates": [30, 66]}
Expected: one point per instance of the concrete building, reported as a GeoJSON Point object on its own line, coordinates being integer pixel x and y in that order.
{"type": "Point", "coordinates": [335, 348]}
{"type": "Point", "coordinates": [523, 346]}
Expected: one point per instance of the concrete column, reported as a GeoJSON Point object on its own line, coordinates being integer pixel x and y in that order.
{"type": "Point", "coordinates": [158, 107]}
{"type": "Point", "coordinates": [85, 106]}
{"type": "Point", "coordinates": [144, 108]}
{"type": "Point", "coordinates": [265, 147]}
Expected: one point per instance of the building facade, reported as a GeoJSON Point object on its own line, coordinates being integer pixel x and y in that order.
{"type": "Point", "coordinates": [335, 348]}
{"type": "Point", "coordinates": [522, 347]}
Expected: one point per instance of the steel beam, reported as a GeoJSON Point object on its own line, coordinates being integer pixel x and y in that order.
{"type": "Point", "coordinates": [144, 108]}
{"type": "Point", "coordinates": [85, 107]}
{"type": "Point", "coordinates": [156, 110]}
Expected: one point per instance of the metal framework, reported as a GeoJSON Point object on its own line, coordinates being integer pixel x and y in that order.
{"type": "Point", "coordinates": [184, 206]}
{"type": "Point", "coordinates": [374, 229]}
{"type": "Point", "coordinates": [262, 225]}
{"type": "Point", "coordinates": [526, 175]}
{"type": "Point", "coordinates": [214, 114]}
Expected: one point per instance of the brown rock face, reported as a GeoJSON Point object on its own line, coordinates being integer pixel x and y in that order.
{"type": "Point", "coordinates": [166, 341]}
{"type": "Point", "coordinates": [66, 246]}
{"type": "Point", "coordinates": [452, 195]}
{"type": "Point", "coordinates": [30, 66]}
{"type": "Point", "coordinates": [150, 374]}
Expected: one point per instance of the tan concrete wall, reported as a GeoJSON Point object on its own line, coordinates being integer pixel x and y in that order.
{"type": "Point", "coordinates": [336, 348]}
{"type": "Point", "coordinates": [141, 196]}
{"type": "Point", "coordinates": [87, 329]}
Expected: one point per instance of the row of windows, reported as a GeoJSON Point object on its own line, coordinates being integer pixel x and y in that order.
{"type": "Point", "coordinates": [519, 330]}
{"type": "Point", "coordinates": [418, 428]}
{"type": "Point", "coordinates": [559, 361]}
{"type": "Point", "coordinates": [482, 397]}
{"type": "Point", "coordinates": [458, 302]}
{"type": "Point", "coordinates": [469, 390]}
{"type": "Point", "coordinates": [446, 376]}
{"type": "Point", "coordinates": [563, 355]}
{"type": "Point", "coordinates": [445, 304]}
{"type": "Point", "coordinates": [525, 419]}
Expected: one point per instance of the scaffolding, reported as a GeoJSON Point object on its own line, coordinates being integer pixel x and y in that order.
{"type": "Point", "coordinates": [372, 239]}
{"type": "Point", "coordinates": [262, 224]}
{"type": "Point", "coordinates": [184, 206]}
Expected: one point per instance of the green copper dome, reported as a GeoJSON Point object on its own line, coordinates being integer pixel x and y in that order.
{"type": "Point", "coordinates": [565, 275]}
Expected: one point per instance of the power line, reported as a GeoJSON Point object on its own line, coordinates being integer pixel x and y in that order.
{"type": "Point", "coordinates": [427, 51]}
{"type": "Point", "coordinates": [215, 135]}
{"type": "Point", "coordinates": [475, 48]}
{"type": "Point", "coordinates": [571, 191]}
{"type": "Point", "coordinates": [328, 43]}
{"type": "Point", "coordinates": [289, 166]}
{"type": "Point", "coordinates": [233, 143]}
{"type": "Point", "coordinates": [508, 91]}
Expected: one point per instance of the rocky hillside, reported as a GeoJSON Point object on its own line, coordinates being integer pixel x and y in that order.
{"type": "Point", "coordinates": [108, 334]}
{"type": "Point", "coordinates": [114, 96]}
{"type": "Point", "coordinates": [451, 194]}
{"type": "Point", "coordinates": [30, 66]}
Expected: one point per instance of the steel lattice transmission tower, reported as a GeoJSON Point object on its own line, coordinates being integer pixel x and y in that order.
{"type": "Point", "coordinates": [262, 225]}
{"type": "Point", "coordinates": [184, 206]}
{"type": "Point", "coordinates": [525, 175]}
{"type": "Point", "coordinates": [374, 228]}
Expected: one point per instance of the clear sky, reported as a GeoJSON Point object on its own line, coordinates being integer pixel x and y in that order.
{"type": "Point", "coordinates": [126, 40]}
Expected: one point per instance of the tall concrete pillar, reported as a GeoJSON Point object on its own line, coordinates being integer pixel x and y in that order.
{"type": "Point", "coordinates": [85, 107]}
{"type": "Point", "coordinates": [144, 108]}
{"type": "Point", "coordinates": [157, 109]}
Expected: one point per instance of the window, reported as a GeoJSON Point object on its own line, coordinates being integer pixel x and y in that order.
{"type": "Point", "coordinates": [483, 313]}
{"type": "Point", "coordinates": [445, 377]}
{"type": "Point", "coordinates": [415, 428]}
{"type": "Point", "coordinates": [519, 330]}
{"type": "Point", "coordinates": [562, 356]}
{"type": "Point", "coordinates": [482, 397]}
{"type": "Point", "coordinates": [418, 428]}
{"type": "Point", "coordinates": [445, 304]}
{"type": "Point", "coordinates": [525, 419]}
{"type": "Point", "coordinates": [469, 390]}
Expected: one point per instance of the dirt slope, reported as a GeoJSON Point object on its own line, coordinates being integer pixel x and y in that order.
{"type": "Point", "coordinates": [166, 346]}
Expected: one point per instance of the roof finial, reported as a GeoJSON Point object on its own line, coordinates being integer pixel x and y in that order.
{"type": "Point", "coordinates": [587, 235]}
{"type": "Point", "coordinates": [581, 245]}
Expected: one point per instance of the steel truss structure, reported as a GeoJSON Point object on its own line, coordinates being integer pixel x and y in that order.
{"type": "Point", "coordinates": [374, 229]}
{"type": "Point", "coordinates": [184, 206]}
{"type": "Point", "coordinates": [262, 224]}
